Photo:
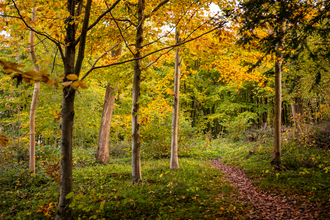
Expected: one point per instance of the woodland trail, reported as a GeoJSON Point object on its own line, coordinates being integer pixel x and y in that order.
{"type": "Point", "coordinates": [266, 205]}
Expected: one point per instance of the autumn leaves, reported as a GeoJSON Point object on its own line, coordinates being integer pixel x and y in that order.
{"type": "Point", "coordinates": [74, 82]}
{"type": "Point", "coordinates": [33, 76]}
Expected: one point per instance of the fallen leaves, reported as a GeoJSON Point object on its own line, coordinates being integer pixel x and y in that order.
{"type": "Point", "coordinates": [267, 205]}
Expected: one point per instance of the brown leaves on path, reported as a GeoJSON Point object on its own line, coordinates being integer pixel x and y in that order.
{"type": "Point", "coordinates": [266, 205]}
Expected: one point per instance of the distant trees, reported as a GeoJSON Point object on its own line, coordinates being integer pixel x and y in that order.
{"type": "Point", "coordinates": [275, 17]}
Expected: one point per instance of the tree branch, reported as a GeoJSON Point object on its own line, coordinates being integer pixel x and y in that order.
{"type": "Point", "coordinates": [57, 43]}
{"type": "Point", "coordinates": [98, 19]}
{"type": "Point", "coordinates": [105, 53]}
{"type": "Point", "coordinates": [156, 9]}
{"type": "Point", "coordinates": [54, 61]}
{"type": "Point", "coordinates": [83, 35]}
{"type": "Point", "coordinates": [156, 51]}
{"type": "Point", "coordinates": [9, 16]}
{"type": "Point", "coordinates": [121, 34]}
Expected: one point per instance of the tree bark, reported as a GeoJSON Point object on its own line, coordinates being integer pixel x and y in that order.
{"type": "Point", "coordinates": [64, 210]}
{"type": "Point", "coordinates": [278, 98]}
{"type": "Point", "coordinates": [102, 154]}
{"type": "Point", "coordinates": [175, 118]}
{"type": "Point", "coordinates": [136, 157]}
{"type": "Point", "coordinates": [36, 90]}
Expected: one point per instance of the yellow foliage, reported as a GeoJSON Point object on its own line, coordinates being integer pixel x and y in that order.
{"type": "Point", "coordinates": [75, 85]}
{"type": "Point", "coordinates": [72, 77]}
{"type": "Point", "coordinates": [82, 84]}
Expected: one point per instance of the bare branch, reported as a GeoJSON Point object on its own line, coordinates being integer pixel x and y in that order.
{"type": "Point", "coordinates": [155, 61]}
{"type": "Point", "coordinates": [54, 60]}
{"type": "Point", "coordinates": [156, 9]}
{"type": "Point", "coordinates": [156, 51]}
{"type": "Point", "coordinates": [169, 31]}
{"type": "Point", "coordinates": [83, 35]}
{"type": "Point", "coordinates": [121, 34]}
{"type": "Point", "coordinates": [177, 23]}
{"type": "Point", "coordinates": [9, 16]}
{"type": "Point", "coordinates": [57, 43]}
{"type": "Point", "coordinates": [98, 19]}
{"type": "Point", "coordinates": [221, 24]}
{"type": "Point", "coordinates": [125, 20]}
{"type": "Point", "coordinates": [42, 41]}
{"type": "Point", "coordinates": [105, 53]}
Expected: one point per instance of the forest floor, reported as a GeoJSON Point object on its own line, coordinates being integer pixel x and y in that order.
{"type": "Point", "coordinates": [267, 205]}
{"type": "Point", "coordinates": [240, 185]}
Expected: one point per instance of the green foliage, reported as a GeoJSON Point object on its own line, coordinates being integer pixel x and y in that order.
{"type": "Point", "coordinates": [239, 124]}
{"type": "Point", "coordinates": [157, 138]}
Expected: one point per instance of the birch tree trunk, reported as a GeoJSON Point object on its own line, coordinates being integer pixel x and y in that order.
{"type": "Point", "coordinates": [175, 118]}
{"type": "Point", "coordinates": [278, 98]}
{"type": "Point", "coordinates": [36, 90]}
{"type": "Point", "coordinates": [136, 157]}
{"type": "Point", "coordinates": [102, 154]}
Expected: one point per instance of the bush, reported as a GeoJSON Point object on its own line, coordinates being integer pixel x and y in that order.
{"type": "Point", "coordinates": [239, 124]}
{"type": "Point", "coordinates": [157, 137]}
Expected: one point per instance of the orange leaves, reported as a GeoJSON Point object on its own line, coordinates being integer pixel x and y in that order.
{"type": "Point", "coordinates": [28, 76]}
{"type": "Point", "coordinates": [75, 83]}
{"type": "Point", "coordinates": [10, 67]}
{"type": "Point", "coordinates": [46, 209]}
{"type": "Point", "coordinates": [72, 77]}
{"type": "Point", "coordinates": [3, 140]}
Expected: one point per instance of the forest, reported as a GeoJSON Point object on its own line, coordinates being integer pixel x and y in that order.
{"type": "Point", "coordinates": [164, 109]}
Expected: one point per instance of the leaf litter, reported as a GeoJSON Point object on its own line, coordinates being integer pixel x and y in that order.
{"type": "Point", "coordinates": [268, 205]}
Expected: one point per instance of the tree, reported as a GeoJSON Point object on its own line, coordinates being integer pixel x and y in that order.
{"type": "Point", "coordinates": [175, 117]}
{"type": "Point", "coordinates": [72, 50]}
{"type": "Point", "coordinates": [275, 17]}
{"type": "Point", "coordinates": [136, 157]}
{"type": "Point", "coordinates": [34, 98]}
{"type": "Point", "coordinates": [278, 94]}
{"type": "Point", "coordinates": [102, 154]}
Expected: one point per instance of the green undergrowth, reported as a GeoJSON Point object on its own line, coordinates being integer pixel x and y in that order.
{"type": "Point", "coordinates": [196, 190]}
{"type": "Point", "coordinates": [305, 172]}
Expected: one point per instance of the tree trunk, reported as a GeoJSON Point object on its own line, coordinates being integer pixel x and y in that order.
{"type": "Point", "coordinates": [36, 90]}
{"type": "Point", "coordinates": [175, 117]}
{"type": "Point", "coordinates": [136, 157]}
{"type": "Point", "coordinates": [102, 154]}
{"type": "Point", "coordinates": [278, 98]}
{"type": "Point", "coordinates": [64, 212]}
{"type": "Point", "coordinates": [70, 67]}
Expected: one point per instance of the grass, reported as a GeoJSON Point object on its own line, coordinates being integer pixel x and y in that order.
{"type": "Point", "coordinates": [195, 191]}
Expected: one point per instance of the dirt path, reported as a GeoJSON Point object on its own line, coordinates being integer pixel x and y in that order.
{"type": "Point", "coordinates": [268, 206]}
